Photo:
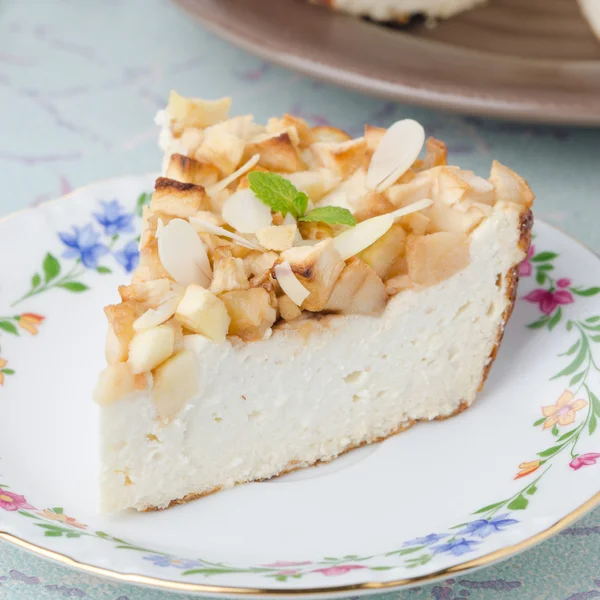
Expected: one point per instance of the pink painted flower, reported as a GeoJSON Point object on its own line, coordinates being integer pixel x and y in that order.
{"type": "Point", "coordinates": [526, 268]}
{"type": "Point", "coordinates": [10, 501]}
{"type": "Point", "coordinates": [287, 563]}
{"type": "Point", "coordinates": [564, 282]}
{"type": "Point", "coordinates": [338, 569]}
{"type": "Point", "coordinates": [548, 301]}
{"type": "Point", "coordinates": [585, 460]}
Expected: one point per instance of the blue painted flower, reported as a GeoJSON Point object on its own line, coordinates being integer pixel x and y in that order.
{"type": "Point", "coordinates": [83, 244]}
{"type": "Point", "coordinates": [432, 538]}
{"type": "Point", "coordinates": [167, 561]}
{"type": "Point", "coordinates": [128, 256]}
{"type": "Point", "coordinates": [484, 527]}
{"type": "Point", "coordinates": [113, 219]}
{"type": "Point", "coordinates": [457, 547]}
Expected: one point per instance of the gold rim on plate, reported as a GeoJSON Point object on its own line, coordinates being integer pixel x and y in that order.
{"type": "Point", "coordinates": [145, 580]}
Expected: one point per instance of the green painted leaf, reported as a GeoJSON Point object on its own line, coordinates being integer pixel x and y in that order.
{"type": "Point", "coordinates": [53, 533]}
{"type": "Point", "coordinates": [593, 423]}
{"type": "Point", "coordinates": [51, 267]}
{"type": "Point", "coordinates": [576, 378]}
{"type": "Point", "coordinates": [28, 514]}
{"type": "Point", "coordinates": [543, 256]}
{"type": "Point", "coordinates": [545, 268]}
{"type": "Point", "coordinates": [519, 503]}
{"type": "Point", "coordinates": [334, 215]}
{"type": "Point", "coordinates": [115, 237]}
{"type": "Point", "coordinates": [572, 349]}
{"type": "Point", "coordinates": [489, 507]}
{"type": "Point", "coordinates": [405, 551]}
{"type": "Point", "coordinates": [74, 534]}
{"type": "Point", "coordinates": [74, 286]}
{"type": "Point", "coordinates": [531, 490]}
{"type": "Point", "coordinates": [142, 200]}
{"type": "Point", "coordinates": [540, 277]}
{"type": "Point", "coordinates": [550, 451]}
{"type": "Point", "coordinates": [9, 327]}
{"type": "Point", "coordinates": [275, 191]}
{"type": "Point", "coordinates": [554, 430]}
{"type": "Point", "coordinates": [101, 534]}
{"type": "Point", "coordinates": [381, 568]}
{"type": "Point", "coordinates": [36, 280]}
{"type": "Point", "coordinates": [577, 361]}
{"type": "Point", "coordinates": [566, 436]}
{"type": "Point", "coordinates": [595, 338]}
{"type": "Point", "coordinates": [593, 320]}
{"type": "Point", "coordinates": [539, 421]}
{"type": "Point", "coordinates": [595, 402]}
{"type": "Point", "coordinates": [301, 203]}
{"type": "Point", "coordinates": [569, 325]}
{"type": "Point", "coordinates": [555, 319]}
{"type": "Point", "coordinates": [103, 270]}
{"type": "Point", "coordinates": [587, 292]}
{"type": "Point", "coordinates": [8, 371]}
{"type": "Point", "coordinates": [539, 323]}
{"type": "Point", "coordinates": [58, 510]}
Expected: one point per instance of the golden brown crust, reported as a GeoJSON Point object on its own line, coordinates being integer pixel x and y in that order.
{"type": "Point", "coordinates": [166, 183]}
{"type": "Point", "coordinates": [512, 281]}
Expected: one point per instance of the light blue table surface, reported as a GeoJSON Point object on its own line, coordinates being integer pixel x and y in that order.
{"type": "Point", "coordinates": [80, 82]}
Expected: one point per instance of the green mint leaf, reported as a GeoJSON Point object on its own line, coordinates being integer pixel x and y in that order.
{"type": "Point", "coordinates": [301, 203]}
{"type": "Point", "coordinates": [334, 215]}
{"type": "Point", "coordinates": [51, 267]}
{"type": "Point", "coordinates": [275, 191]}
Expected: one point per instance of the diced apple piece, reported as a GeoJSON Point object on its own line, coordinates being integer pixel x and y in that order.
{"type": "Point", "coordinates": [509, 185]}
{"type": "Point", "coordinates": [150, 292]}
{"type": "Point", "coordinates": [277, 152]}
{"type": "Point", "coordinates": [372, 204]}
{"type": "Point", "coordinates": [150, 267]}
{"type": "Point", "coordinates": [328, 134]}
{"type": "Point", "coordinates": [251, 312]}
{"type": "Point", "coordinates": [342, 158]}
{"type": "Point", "coordinates": [382, 254]}
{"type": "Point", "coordinates": [202, 312]}
{"type": "Point", "coordinates": [229, 274]}
{"type": "Point", "coordinates": [305, 135]}
{"type": "Point", "coordinates": [121, 318]}
{"type": "Point", "coordinates": [277, 237]}
{"type": "Point", "coordinates": [399, 267]}
{"type": "Point", "coordinates": [223, 150]}
{"type": "Point", "coordinates": [175, 383]}
{"type": "Point", "coordinates": [191, 139]}
{"type": "Point", "coordinates": [316, 231]}
{"type": "Point", "coordinates": [416, 222]}
{"type": "Point", "coordinates": [188, 170]}
{"type": "Point", "coordinates": [373, 136]}
{"type": "Point", "coordinates": [178, 199]}
{"type": "Point", "coordinates": [315, 184]}
{"type": "Point", "coordinates": [437, 155]}
{"type": "Point", "coordinates": [317, 268]}
{"type": "Point", "coordinates": [256, 263]}
{"type": "Point", "coordinates": [403, 194]}
{"type": "Point", "coordinates": [398, 284]}
{"type": "Point", "coordinates": [117, 381]}
{"type": "Point", "coordinates": [195, 112]}
{"type": "Point", "coordinates": [358, 290]}
{"type": "Point", "coordinates": [435, 257]}
{"type": "Point", "coordinates": [288, 309]}
{"type": "Point", "coordinates": [446, 218]}
{"type": "Point", "coordinates": [150, 347]}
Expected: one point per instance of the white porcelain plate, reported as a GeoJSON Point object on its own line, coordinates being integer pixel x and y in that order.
{"type": "Point", "coordinates": [440, 498]}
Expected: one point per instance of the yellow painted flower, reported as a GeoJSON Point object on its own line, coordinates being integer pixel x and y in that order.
{"type": "Point", "coordinates": [527, 468]}
{"type": "Point", "coordinates": [30, 321]}
{"type": "Point", "coordinates": [3, 363]}
{"type": "Point", "coordinates": [563, 412]}
{"type": "Point", "coordinates": [61, 517]}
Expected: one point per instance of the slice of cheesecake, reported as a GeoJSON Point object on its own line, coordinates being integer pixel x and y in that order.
{"type": "Point", "coordinates": [299, 294]}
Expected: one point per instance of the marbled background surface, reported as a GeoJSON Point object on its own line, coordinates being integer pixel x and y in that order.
{"type": "Point", "coordinates": [80, 82]}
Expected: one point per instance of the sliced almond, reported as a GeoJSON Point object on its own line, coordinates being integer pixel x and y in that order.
{"type": "Point", "coordinates": [354, 240]}
{"type": "Point", "coordinates": [245, 212]}
{"type": "Point", "coordinates": [163, 312]}
{"type": "Point", "coordinates": [591, 11]}
{"type": "Point", "coordinates": [397, 151]}
{"type": "Point", "coordinates": [221, 185]}
{"type": "Point", "coordinates": [289, 283]}
{"type": "Point", "coordinates": [205, 227]}
{"type": "Point", "coordinates": [183, 254]}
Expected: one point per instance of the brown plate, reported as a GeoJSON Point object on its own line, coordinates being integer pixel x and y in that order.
{"type": "Point", "coordinates": [534, 60]}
